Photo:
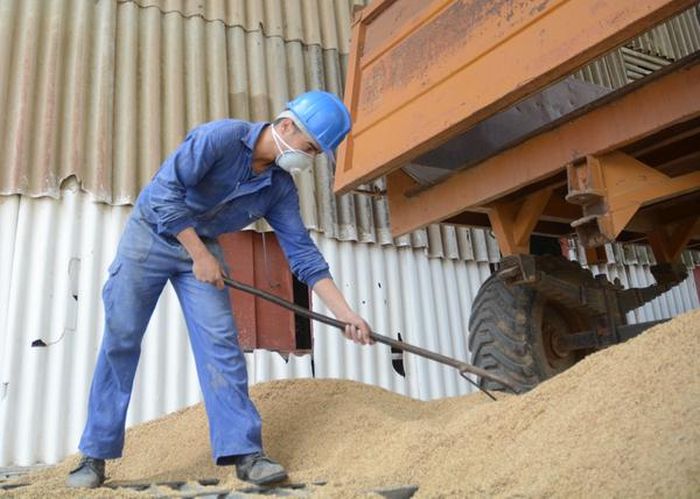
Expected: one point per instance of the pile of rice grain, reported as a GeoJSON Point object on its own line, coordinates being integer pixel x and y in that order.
{"type": "Point", "coordinates": [623, 422]}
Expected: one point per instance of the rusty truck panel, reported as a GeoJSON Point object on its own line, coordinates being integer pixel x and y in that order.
{"type": "Point", "coordinates": [422, 72]}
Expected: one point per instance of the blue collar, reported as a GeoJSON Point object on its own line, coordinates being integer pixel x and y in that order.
{"type": "Point", "coordinates": [250, 138]}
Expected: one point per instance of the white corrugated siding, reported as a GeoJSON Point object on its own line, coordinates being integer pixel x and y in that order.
{"type": "Point", "coordinates": [53, 260]}
{"type": "Point", "coordinates": [52, 250]}
{"type": "Point", "coordinates": [400, 290]}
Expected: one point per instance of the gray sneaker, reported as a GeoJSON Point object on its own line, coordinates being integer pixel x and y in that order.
{"type": "Point", "coordinates": [259, 469]}
{"type": "Point", "coordinates": [89, 474]}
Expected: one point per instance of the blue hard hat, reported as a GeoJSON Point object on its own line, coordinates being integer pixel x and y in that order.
{"type": "Point", "coordinates": [323, 116]}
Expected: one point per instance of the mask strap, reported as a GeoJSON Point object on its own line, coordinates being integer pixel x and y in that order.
{"type": "Point", "coordinates": [277, 137]}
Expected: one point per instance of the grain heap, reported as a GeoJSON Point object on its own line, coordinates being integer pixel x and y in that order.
{"type": "Point", "coordinates": [623, 422]}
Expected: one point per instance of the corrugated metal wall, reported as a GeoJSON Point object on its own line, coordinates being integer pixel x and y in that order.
{"type": "Point", "coordinates": [401, 291]}
{"type": "Point", "coordinates": [104, 90]}
{"type": "Point", "coordinates": [53, 260]}
{"type": "Point", "coordinates": [666, 43]}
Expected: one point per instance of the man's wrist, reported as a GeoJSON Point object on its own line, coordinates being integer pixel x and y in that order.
{"type": "Point", "coordinates": [345, 314]}
{"type": "Point", "coordinates": [199, 252]}
{"type": "Point", "coordinates": [193, 244]}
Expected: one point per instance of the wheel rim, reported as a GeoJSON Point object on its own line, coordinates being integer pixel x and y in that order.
{"type": "Point", "coordinates": [555, 324]}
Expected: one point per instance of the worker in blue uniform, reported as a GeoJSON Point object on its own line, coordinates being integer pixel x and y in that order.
{"type": "Point", "coordinates": [224, 176]}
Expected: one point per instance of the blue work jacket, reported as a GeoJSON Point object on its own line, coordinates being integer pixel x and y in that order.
{"type": "Point", "coordinates": [208, 184]}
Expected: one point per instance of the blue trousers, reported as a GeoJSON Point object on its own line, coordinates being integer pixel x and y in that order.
{"type": "Point", "coordinates": [144, 263]}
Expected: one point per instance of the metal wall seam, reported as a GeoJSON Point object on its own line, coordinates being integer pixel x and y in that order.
{"type": "Point", "coordinates": [317, 22]}
{"type": "Point", "coordinates": [9, 212]}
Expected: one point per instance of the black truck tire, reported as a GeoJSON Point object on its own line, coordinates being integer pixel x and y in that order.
{"type": "Point", "coordinates": [513, 328]}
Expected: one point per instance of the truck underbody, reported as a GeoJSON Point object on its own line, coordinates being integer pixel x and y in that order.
{"type": "Point", "coordinates": [455, 135]}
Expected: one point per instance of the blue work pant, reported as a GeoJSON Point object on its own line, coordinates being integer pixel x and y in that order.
{"type": "Point", "coordinates": [144, 263]}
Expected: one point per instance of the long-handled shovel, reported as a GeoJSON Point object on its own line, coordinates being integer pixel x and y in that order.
{"type": "Point", "coordinates": [462, 367]}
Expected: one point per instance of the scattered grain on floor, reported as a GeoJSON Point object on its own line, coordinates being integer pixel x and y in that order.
{"type": "Point", "coordinates": [623, 422]}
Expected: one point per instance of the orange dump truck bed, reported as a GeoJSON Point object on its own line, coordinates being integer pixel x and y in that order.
{"type": "Point", "coordinates": [466, 108]}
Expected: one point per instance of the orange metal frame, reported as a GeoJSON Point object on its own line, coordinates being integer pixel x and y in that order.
{"type": "Point", "coordinates": [422, 72]}
{"type": "Point", "coordinates": [653, 107]}
{"type": "Point", "coordinates": [613, 187]}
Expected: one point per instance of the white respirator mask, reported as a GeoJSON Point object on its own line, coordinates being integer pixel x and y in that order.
{"type": "Point", "coordinates": [289, 159]}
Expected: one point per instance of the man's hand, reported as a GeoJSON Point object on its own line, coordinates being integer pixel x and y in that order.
{"type": "Point", "coordinates": [356, 329]}
{"type": "Point", "coordinates": [206, 268]}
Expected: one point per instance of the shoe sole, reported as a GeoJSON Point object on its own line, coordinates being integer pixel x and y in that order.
{"type": "Point", "coordinates": [71, 485]}
{"type": "Point", "coordinates": [278, 477]}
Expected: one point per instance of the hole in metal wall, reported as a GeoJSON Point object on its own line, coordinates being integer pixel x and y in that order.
{"type": "Point", "coordinates": [302, 325]}
{"type": "Point", "coordinates": [397, 359]}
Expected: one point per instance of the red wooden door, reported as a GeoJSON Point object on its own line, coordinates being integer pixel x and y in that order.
{"type": "Point", "coordinates": [261, 264]}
